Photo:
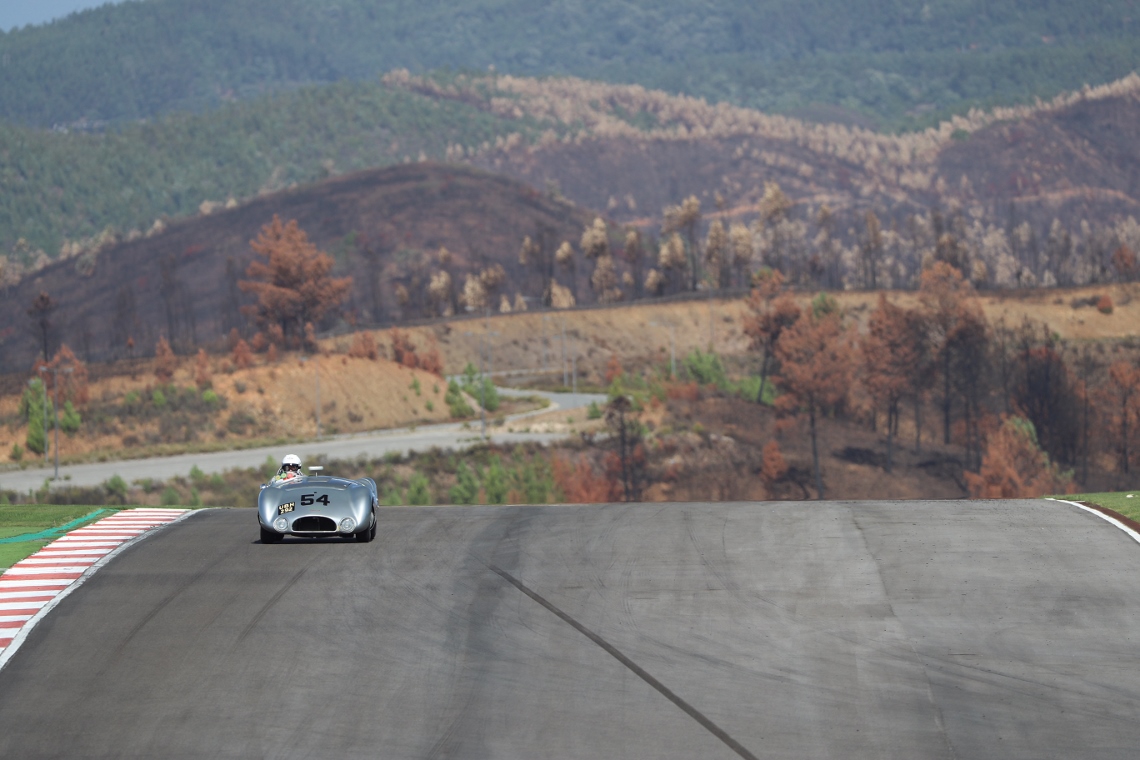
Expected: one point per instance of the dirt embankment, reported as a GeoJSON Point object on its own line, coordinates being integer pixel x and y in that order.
{"type": "Point", "coordinates": [272, 400]}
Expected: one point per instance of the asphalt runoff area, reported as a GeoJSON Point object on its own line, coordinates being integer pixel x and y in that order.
{"type": "Point", "coordinates": [776, 630]}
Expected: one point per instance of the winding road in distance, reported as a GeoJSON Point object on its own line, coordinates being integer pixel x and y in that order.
{"type": "Point", "coordinates": [372, 445]}
{"type": "Point", "coordinates": [756, 630]}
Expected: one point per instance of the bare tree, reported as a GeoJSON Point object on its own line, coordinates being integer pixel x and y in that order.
{"type": "Point", "coordinates": [41, 310]}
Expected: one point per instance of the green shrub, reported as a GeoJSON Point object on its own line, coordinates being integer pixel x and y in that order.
{"type": "Point", "coordinates": [170, 497]}
{"type": "Point", "coordinates": [705, 368]}
{"type": "Point", "coordinates": [495, 484]}
{"type": "Point", "coordinates": [456, 404]}
{"type": "Point", "coordinates": [466, 488]}
{"type": "Point", "coordinates": [238, 422]}
{"type": "Point", "coordinates": [17, 453]}
{"type": "Point", "coordinates": [158, 398]}
{"type": "Point", "coordinates": [483, 390]}
{"type": "Point", "coordinates": [71, 420]}
{"type": "Point", "coordinates": [593, 411]}
{"type": "Point", "coordinates": [415, 386]}
{"type": "Point", "coordinates": [116, 487]}
{"type": "Point", "coordinates": [209, 397]}
{"type": "Point", "coordinates": [419, 490]}
{"type": "Point", "coordinates": [429, 406]}
{"type": "Point", "coordinates": [535, 481]}
{"type": "Point", "coordinates": [823, 305]}
{"type": "Point", "coordinates": [32, 410]}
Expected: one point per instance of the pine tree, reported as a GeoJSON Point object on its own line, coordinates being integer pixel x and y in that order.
{"type": "Point", "coordinates": [292, 284]}
{"type": "Point", "coordinates": [889, 354]}
{"type": "Point", "coordinates": [815, 371]}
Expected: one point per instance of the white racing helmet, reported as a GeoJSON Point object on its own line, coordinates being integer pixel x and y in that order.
{"type": "Point", "coordinates": [291, 459]}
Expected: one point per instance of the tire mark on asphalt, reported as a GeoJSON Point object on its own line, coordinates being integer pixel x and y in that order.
{"type": "Point", "coordinates": [268, 605]}
{"type": "Point", "coordinates": [191, 583]}
{"type": "Point", "coordinates": [640, 672]}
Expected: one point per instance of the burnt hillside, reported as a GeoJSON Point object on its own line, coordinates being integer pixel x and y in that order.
{"type": "Point", "coordinates": [1076, 159]}
{"type": "Point", "coordinates": [382, 226]}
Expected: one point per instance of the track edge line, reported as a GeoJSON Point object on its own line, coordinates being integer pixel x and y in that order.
{"type": "Point", "coordinates": [1107, 518]}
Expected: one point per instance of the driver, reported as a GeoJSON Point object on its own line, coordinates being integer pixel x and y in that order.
{"type": "Point", "coordinates": [290, 468]}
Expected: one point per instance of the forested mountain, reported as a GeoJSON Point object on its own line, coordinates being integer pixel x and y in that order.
{"type": "Point", "coordinates": [623, 150]}
{"type": "Point", "coordinates": [73, 187]}
{"type": "Point", "coordinates": [889, 62]}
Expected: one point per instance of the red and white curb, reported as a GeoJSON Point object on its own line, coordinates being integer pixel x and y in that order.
{"type": "Point", "coordinates": [34, 585]}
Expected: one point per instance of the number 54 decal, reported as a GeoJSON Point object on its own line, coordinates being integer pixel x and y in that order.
{"type": "Point", "coordinates": [308, 499]}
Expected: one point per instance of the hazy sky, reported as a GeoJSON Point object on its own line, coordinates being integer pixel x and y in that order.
{"type": "Point", "coordinates": [14, 13]}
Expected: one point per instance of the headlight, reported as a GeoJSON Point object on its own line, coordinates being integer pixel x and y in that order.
{"type": "Point", "coordinates": [347, 525]}
{"type": "Point", "coordinates": [281, 524]}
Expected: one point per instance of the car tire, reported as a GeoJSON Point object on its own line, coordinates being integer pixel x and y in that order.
{"type": "Point", "coordinates": [368, 534]}
{"type": "Point", "coordinates": [270, 536]}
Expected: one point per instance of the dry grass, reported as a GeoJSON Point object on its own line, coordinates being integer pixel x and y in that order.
{"type": "Point", "coordinates": [639, 333]}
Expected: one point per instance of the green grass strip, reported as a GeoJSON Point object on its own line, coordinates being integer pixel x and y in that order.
{"type": "Point", "coordinates": [1126, 503]}
{"type": "Point", "coordinates": [50, 533]}
{"type": "Point", "coordinates": [13, 553]}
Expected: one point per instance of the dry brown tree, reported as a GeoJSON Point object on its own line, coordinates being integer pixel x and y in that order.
{"type": "Point", "coordinates": [815, 370]}
{"type": "Point", "coordinates": [43, 306]}
{"type": "Point", "coordinates": [242, 355]}
{"type": "Point", "coordinates": [164, 361]}
{"type": "Point", "coordinates": [686, 219]}
{"type": "Point", "coordinates": [363, 347]}
{"type": "Point", "coordinates": [949, 307]}
{"type": "Point", "coordinates": [773, 467]}
{"type": "Point", "coordinates": [716, 255]}
{"type": "Point", "coordinates": [1015, 467]}
{"type": "Point", "coordinates": [439, 292]}
{"type": "Point", "coordinates": [492, 279]}
{"type": "Point", "coordinates": [292, 283]}
{"type": "Point", "coordinates": [203, 377]}
{"type": "Point", "coordinates": [69, 371]}
{"type": "Point", "coordinates": [673, 261]}
{"type": "Point", "coordinates": [538, 252]}
{"type": "Point", "coordinates": [742, 246]}
{"type": "Point", "coordinates": [771, 310]}
{"type": "Point", "coordinates": [871, 250]}
{"type": "Point", "coordinates": [634, 254]}
{"type": "Point", "coordinates": [474, 294]}
{"type": "Point", "coordinates": [595, 245]}
{"type": "Point", "coordinates": [1120, 401]}
{"type": "Point", "coordinates": [889, 354]}
{"type": "Point", "coordinates": [566, 259]}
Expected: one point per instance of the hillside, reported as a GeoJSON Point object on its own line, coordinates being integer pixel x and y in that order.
{"type": "Point", "coordinates": [889, 63]}
{"type": "Point", "coordinates": [382, 226]}
{"type": "Point", "coordinates": [63, 190]}
{"type": "Point", "coordinates": [625, 150]}
{"type": "Point", "coordinates": [706, 443]}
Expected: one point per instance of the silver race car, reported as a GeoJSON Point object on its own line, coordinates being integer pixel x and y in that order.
{"type": "Point", "coordinates": [317, 505]}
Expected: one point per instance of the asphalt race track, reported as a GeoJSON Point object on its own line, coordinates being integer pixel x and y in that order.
{"type": "Point", "coordinates": [832, 630]}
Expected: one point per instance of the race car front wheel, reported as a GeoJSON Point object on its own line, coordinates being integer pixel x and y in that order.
{"type": "Point", "coordinates": [270, 536]}
{"type": "Point", "coordinates": [367, 534]}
